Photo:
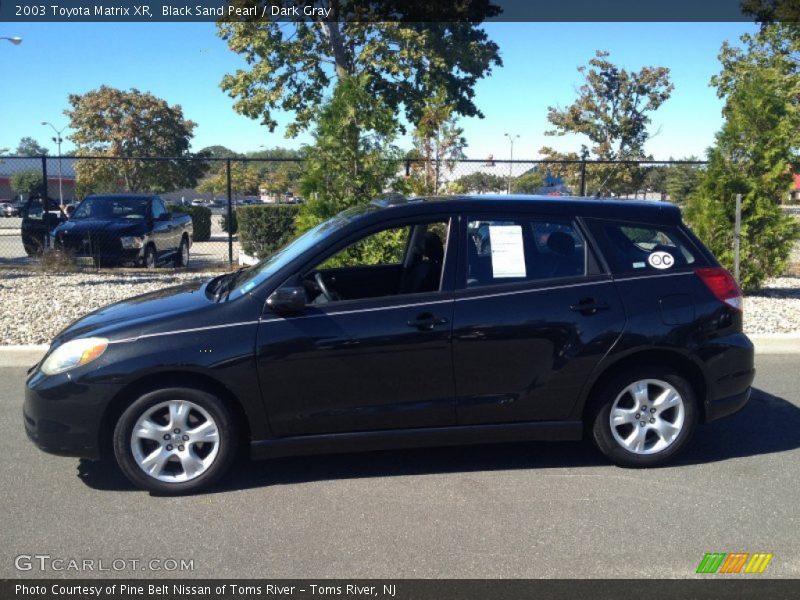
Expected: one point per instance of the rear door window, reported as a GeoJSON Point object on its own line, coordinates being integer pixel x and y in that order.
{"type": "Point", "coordinates": [643, 248]}
{"type": "Point", "coordinates": [502, 251]}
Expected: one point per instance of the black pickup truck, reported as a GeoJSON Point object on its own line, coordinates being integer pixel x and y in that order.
{"type": "Point", "coordinates": [125, 229]}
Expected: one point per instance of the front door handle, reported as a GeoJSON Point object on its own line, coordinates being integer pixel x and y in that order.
{"type": "Point", "coordinates": [426, 321]}
{"type": "Point", "coordinates": [589, 306]}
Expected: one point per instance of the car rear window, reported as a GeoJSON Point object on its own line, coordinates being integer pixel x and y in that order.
{"type": "Point", "coordinates": [642, 248]}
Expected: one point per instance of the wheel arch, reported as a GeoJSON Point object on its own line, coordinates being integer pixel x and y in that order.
{"type": "Point", "coordinates": [683, 364]}
{"type": "Point", "coordinates": [164, 379]}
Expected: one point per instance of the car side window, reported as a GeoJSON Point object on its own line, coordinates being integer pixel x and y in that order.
{"type": "Point", "coordinates": [407, 259]}
{"type": "Point", "coordinates": [157, 208]}
{"type": "Point", "coordinates": [501, 251]}
{"type": "Point", "coordinates": [632, 248]}
{"type": "Point", "coordinates": [385, 247]}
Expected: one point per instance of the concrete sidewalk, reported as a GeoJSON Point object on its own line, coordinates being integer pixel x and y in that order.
{"type": "Point", "coordinates": [778, 343]}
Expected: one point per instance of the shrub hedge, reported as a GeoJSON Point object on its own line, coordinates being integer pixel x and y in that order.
{"type": "Point", "coordinates": [201, 220]}
{"type": "Point", "coordinates": [264, 228]}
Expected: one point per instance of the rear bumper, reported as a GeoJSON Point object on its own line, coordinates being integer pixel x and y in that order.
{"type": "Point", "coordinates": [730, 370]}
{"type": "Point", "coordinates": [722, 407]}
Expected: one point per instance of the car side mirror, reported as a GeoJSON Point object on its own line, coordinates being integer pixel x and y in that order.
{"type": "Point", "coordinates": [287, 300]}
{"type": "Point", "coordinates": [167, 216]}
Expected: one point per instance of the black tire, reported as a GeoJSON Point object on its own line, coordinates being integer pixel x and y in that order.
{"type": "Point", "coordinates": [182, 256]}
{"type": "Point", "coordinates": [150, 258]}
{"type": "Point", "coordinates": [599, 423]}
{"type": "Point", "coordinates": [219, 464]}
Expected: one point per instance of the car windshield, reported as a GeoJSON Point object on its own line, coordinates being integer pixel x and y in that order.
{"type": "Point", "coordinates": [107, 207]}
{"type": "Point", "coordinates": [261, 271]}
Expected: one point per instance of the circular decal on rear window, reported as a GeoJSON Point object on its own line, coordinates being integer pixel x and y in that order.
{"type": "Point", "coordinates": [661, 260]}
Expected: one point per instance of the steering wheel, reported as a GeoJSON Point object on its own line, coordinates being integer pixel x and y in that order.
{"type": "Point", "coordinates": [330, 296]}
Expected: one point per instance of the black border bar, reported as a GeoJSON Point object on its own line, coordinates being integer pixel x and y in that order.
{"type": "Point", "coordinates": [111, 11]}
{"type": "Point", "coordinates": [711, 587]}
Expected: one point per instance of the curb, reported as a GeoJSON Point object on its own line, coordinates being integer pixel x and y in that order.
{"type": "Point", "coordinates": [765, 343]}
{"type": "Point", "coordinates": [22, 356]}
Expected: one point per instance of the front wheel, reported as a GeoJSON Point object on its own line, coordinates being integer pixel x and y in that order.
{"type": "Point", "coordinates": [175, 441]}
{"type": "Point", "coordinates": [149, 257]}
{"type": "Point", "coordinates": [644, 419]}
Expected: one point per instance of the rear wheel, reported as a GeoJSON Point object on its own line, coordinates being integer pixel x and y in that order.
{"type": "Point", "coordinates": [644, 419]}
{"type": "Point", "coordinates": [175, 440]}
{"type": "Point", "coordinates": [182, 257]}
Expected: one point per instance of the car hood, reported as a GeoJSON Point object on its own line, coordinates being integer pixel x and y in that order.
{"type": "Point", "coordinates": [120, 226]}
{"type": "Point", "coordinates": [170, 309]}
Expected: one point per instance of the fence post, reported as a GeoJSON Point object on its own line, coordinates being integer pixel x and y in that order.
{"type": "Point", "coordinates": [45, 204]}
{"type": "Point", "coordinates": [583, 178]}
{"type": "Point", "coordinates": [737, 232]}
{"type": "Point", "coordinates": [230, 212]}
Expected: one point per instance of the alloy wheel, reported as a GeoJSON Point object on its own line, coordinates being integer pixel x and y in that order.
{"type": "Point", "coordinates": [647, 416]}
{"type": "Point", "coordinates": [175, 441]}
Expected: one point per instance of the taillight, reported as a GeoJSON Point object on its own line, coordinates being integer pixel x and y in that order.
{"type": "Point", "coordinates": [722, 285]}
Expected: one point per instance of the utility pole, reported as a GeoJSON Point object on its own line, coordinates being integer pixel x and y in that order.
{"type": "Point", "coordinates": [511, 139]}
{"type": "Point", "coordinates": [58, 139]}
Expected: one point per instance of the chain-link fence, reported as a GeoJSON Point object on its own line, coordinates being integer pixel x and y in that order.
{"type": "Point", "coordinates": [40, 198]}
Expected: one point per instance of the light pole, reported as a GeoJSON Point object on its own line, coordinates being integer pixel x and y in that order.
{"type": "Point", "coordinates": [511, 139]}
{"type": "Point", "coordinates": [58, 139]}
{"type": "Point", "coordinates": [14, 40]}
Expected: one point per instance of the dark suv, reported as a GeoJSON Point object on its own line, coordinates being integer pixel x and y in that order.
{"type": "Point", "coordinates": [411, 323]}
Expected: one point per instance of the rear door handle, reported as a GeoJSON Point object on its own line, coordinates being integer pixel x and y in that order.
{"type": "Point", "coordinates": [426, 321]}
{"type": "Point", "coordinates": [589, 306]}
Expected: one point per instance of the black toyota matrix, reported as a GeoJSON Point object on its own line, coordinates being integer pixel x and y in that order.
{"type": "Point", "coordinates": [408, 323]}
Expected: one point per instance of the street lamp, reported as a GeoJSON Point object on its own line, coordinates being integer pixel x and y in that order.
{"type": "Point", "coordinates": [14, 40]}
{"type": "Point", "coordinates": [511, 139]}
{"type": "Point", "coordinates": [58, 139]}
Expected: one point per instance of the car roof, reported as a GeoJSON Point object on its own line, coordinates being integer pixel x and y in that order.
{"type": "Point", "coordinates": [601, 208]}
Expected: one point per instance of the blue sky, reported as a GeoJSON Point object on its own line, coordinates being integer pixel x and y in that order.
{"type": "Point", "coordinates": [184, 63]}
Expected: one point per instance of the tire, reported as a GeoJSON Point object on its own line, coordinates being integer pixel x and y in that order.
{"type": "Point", "coordinates": [182, 256]}
{"type": "Point", "coordinates": [200, 448]}
{"type": "Point", "coordinates": [149, 257]}
{"type": "Point", "coordinates": [671, 408]}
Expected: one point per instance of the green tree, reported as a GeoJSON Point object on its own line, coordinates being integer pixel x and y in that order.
{"type": "Point", "coordinates": [682, 181]}
{"type": "Point", "coordinates": [400, 52]}
{"type": "Point", "coordinates": [30, 147]}
{"type": "Point", "coordinates": [27, 182]}
{"type": "Point", "coordinates": [753, 156]}
{"type": "Point", "coordinates": [245, 179]}
{"type": "Point", "coordinates": [131, 125]}
{"type": "Point", "coordinates": [281, 171]}
{"type": "Point", "coordinates": [530, 182]}
{"type": "Point", "coordinates": [353, 158]}
{"type": "Point", "coordinates": [612, 110]}
{"type": "Point", "coordinates": [478, 183]}
{"type": "Point", "coordinates": [438, 143]}
{"type": "Point", "coordinates": [219, 151]}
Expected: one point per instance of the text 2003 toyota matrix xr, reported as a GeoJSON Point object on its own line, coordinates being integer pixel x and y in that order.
{"type": "Point", "coordinates": [411, 323]}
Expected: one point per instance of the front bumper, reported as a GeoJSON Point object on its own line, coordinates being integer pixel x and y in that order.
{"type": "Point", "coordinates": [64, 416]}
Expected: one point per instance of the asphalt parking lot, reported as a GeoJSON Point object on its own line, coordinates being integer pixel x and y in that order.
{"type": "Point", "coordinates": [522, 510]}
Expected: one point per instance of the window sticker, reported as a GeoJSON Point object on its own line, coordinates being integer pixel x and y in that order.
{"type": "Point", "coordinates": [661, 260]}
{"type": "Point", "coordinates": [508, 255]}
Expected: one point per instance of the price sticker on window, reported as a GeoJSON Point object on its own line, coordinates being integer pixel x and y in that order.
{"type": "Point", "coordinates": [508, 253]}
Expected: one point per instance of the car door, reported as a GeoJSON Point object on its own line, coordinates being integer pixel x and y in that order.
{"type": "Point", "coordinates": [368, 363]}
{"type": "Point", "coordinates": [162, 229]}
{"type": "Point", "coordinates": [533, 315]}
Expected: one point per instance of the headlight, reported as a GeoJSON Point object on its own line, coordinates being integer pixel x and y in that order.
{"type": "Point", "coordinates": [133, 241]}
{"type": "Point", "coordinates": [74, 354]}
